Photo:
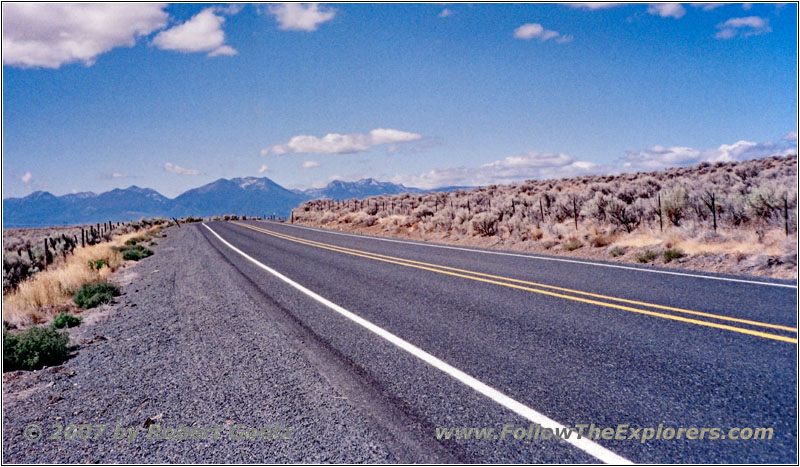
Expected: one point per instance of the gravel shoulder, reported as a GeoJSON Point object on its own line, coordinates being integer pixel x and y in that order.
{"type": "Point", "coordinates": [187, 345]}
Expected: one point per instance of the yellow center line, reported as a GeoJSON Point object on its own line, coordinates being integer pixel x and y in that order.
{"type": "Point", "coordinates": [491, 280]}
{"type": "Point", "coordinates": [552, 287]}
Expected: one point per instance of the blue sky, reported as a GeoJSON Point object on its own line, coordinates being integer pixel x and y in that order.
{"type": "Point", "coordinates": [175, 96]}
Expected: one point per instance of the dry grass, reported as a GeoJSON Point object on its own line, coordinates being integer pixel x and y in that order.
{"type": "Point", "coordinates": [36, 300]}
{"type": "Point", "coordinates": [640, 240]}
{"type": "Point", "coordinates": [738, 242]}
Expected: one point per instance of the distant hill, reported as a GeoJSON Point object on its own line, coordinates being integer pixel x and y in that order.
{"type": "Point", "coordinates": [250, 196]}
{"type": "Point", "coordinates": [42, 208]}
{"type": "Point", "coordinates": [338, 190]}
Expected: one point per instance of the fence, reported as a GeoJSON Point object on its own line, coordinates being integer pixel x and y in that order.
{"type": "Point", "coordinates": [552, 209]}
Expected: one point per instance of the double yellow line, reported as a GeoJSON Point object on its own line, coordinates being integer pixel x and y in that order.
{"type": "Point", "coordinates": [554, 291]}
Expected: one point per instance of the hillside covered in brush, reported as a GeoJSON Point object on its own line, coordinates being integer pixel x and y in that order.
{"type": "Point", "coordinates": [744, 211]}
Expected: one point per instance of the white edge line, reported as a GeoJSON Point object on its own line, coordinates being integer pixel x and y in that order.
{"type": "Point", "coordinates": [584, 444]}
{"type": "Point", "coordinates": [544, 258]}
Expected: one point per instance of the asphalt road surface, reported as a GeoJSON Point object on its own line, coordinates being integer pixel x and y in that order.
{"type": "Point", "coordinates": [374, 350]}
{"type": "Point", "coordinates": [443, 337]}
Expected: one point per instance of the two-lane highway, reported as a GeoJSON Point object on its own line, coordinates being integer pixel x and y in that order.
{"type": "Point", "coordinates": [456, 337]}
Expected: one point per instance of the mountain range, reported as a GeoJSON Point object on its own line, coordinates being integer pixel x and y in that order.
{"type": "Point", "coordinates": [249, 196]}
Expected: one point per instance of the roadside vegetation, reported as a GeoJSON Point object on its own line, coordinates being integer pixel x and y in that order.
{"type": "Point", "coordinates": [133, 251]}
{"type": "Point", "coordinates": [734, 217]}
{"type": "Point", "coordinates": [27, 252]}
{"type": "Point", "coordinates": [77, 280]}
{"type": "Point", "coordinates": [66, 320]}
{"type": "Point", "coordinates": [95, 293]}
{"type": "Point", "coordinates": [34, 348]}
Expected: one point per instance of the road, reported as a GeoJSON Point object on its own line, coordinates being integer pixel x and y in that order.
{"type": "Point", "coordinates": [425, 337]}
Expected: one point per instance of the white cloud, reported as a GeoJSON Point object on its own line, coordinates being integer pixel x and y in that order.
{"type": "Point", "coordinates": [380, 136]}
{"type": "Point", "coordinates": [667, 10]}
{"type": "Point", "coordinates": [263, 168]}
{"type": "Point", "coordinates": [791, 136]}
{"type": "Point", "coordinates": [530, 31]}
{"type": "Point", "coordinates": [531, 165]}
{"type": "Point", "coordinates": [748, 21]}
{"type": "Point", "coordinates": [594, 5]}
{"type": "Point", "coordinates": [725, 34]}
{"type": "Point", "coordinates": [117, 174]}
{"type": "Point", "coordinates": [26, 178]}
{"type": "Point", "coordinates": [176, 169]}
{"type": "Point", "coordinates": [707, 6]}
{"type": "Point", "coordinates": [435, 178]}
{"type": "Point", "coordinates": [230, 9]}
{"type": "Point", "coordinates": [335, 143]}
{"type": "Point", "coordinates": [50, 35]}
{"type": "Point", "coordinates": [659, 157]}
{"type": "Point", "coordinates": [545, 165]}
{"type": "Point", "coordinates": [309, 164]}
{"type": "Point", "coordinates": [446, 13]}
{"type": "Point", "coordinates": [300, 17]}
{"type": "Point", "coordinates": [743, 27]}
{"type": "Point", "coordinates": [202, 33]}
{"type": "Point", "coordinates": [223, 50]}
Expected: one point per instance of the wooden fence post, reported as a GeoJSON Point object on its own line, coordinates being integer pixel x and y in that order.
{"type": "Point", "coordinates": [541, 209]}
{"type": "Point", "coordinates": [660, 217]}
{"type": "Point", "coordinates": [714, 210]}
{"type": "Point", "coordinates": [575, 212]}
{"type": "Point", "coordinates": [786, 214]}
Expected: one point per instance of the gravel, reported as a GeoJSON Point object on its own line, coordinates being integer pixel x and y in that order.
{"type": "Point", "coordinates": [186, 346]}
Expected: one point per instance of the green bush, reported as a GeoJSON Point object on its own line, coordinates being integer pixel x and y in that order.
{"type": "Point", "coordinates": [34, 348]}
{"type": "Point", "coordinates": [66, 320]}
{"type": "Point", "coordinates": [98, 264]}
{"type": "Point", "coordinates": [646, 256]}
{"type": "Point", "coordinates": [572, 245]}
{"type": "Point", "coordinates": [135, 240]}
{"type": "Point", "coordinates": [136, 253]}
{"type": "Point", "coordinates": [91, 295]}
{"type": "Point", "coordinates": [671, 254]}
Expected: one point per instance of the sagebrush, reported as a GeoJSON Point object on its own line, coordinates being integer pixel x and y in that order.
{"type": "Point", "coordinates": [92, 295]}
{"type": "Point", "coordinates": [744, 212]}
{"type": "Point", "coordinates": [34, 348]}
